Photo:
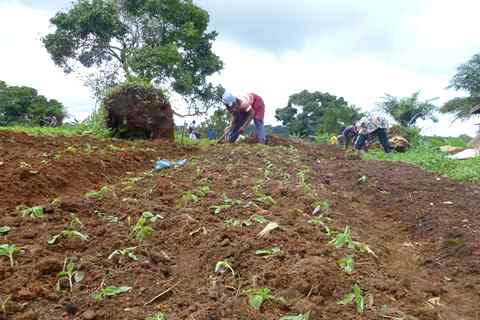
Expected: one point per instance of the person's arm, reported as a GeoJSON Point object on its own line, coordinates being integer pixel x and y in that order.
{"type": "Point", "coordinates": [251, 113]}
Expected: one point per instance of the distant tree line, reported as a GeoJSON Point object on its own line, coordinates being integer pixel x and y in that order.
{"type": "Point", "coordinates": [23, 105]}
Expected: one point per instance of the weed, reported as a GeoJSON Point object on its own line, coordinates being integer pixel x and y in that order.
{"type": "Point", "coordinates": [9, 250]}
{"type": "Point", "coordinates": [355, 296]}
{"type": "Point", "coordinates": [259, 219]}
{"type": "Point", "coordinates": [305, 316]}
{"type": "Point", "coordinates": [267, 200]}
{"type": "Point", "coordinates": [70, 272]}
{"type": "Point", "coordinates": [68, 233]}
{"type": "Point", "coordinates": [224, 265]}
{"type": "Point", "coordinates": [157, 316]}
{"type": "Point", "coordinates": [321, 207]}
{"type": "Point", "coordinates": [31, 212]}
{"type": "Point", "coordinates": [343, 239]}
{"type": "Point", "coordinates": [267, 253]}
{"type": "Point", "coordinates": [347, 264]}
{"type": "Point", "coordinates": [258, 296]}
{"type": "Point", "coordinates": [98, 195]}
{"type": "Point", "coordinates": [102, 293]}
{"type": "Point", "coordinates": [238, 222]}
{"type": "Point", "coordinates": [127, 252]}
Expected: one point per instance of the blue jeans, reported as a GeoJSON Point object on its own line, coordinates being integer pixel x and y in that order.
{"type": "Point", "coordinates": [382, 136]}
{"type": "Point", "coordinates": [240, 119]}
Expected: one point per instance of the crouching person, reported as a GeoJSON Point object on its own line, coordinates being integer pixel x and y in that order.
{"type": "Point", "coordinates": [243, 109]}
{"type": "Point", "coordinates": [371, 126]}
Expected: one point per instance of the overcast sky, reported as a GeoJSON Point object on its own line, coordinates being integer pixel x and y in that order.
{"type": "Point", "coordinates": [359, 50]}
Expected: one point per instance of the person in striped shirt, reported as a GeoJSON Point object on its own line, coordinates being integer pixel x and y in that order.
{"type": "Point", "coordinates": [243, 109]}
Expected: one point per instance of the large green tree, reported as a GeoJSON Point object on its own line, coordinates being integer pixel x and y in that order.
{"type": "Point", "coordinates": [466, 79]}
{"type": "Point", "coordinates": [407, 110]}
{"type": "Point", "coordinates": [308, 113]}
{"type": "Point", "coordinates": [161, 40]}
{"type": "Point", "coordinates": [24, 105]}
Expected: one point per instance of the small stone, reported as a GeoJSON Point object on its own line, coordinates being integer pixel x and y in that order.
{"type": "Point", "coordinates": [89, 315]}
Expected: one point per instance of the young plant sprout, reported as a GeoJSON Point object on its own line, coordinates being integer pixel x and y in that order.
{"type": "Point", "coordinates": [267, 253]}
{"type": "Point", "coordinates": [70, 273]}
{"type": "Point", "coordinates": [97, 195]}
{"type": "Point", "coordinates": [218, 209]}
{"type": "Point", "coordinates": [75, 221]}
{"type": "Point", "coordinates": [31, 212]}
{"type": "Point", "coordinates": [158, 316]}
{"type": "Point", "coordinates": [9, 250]}
{"type": "Point", "coordinates": [347, 264]}
{"type": "Point", "coordinates": [102, 293]}
{"type": "Point", "coordinates": [258, 296]}
{"type": "Point", "coordinates": [305, 316]}
{"type": "Point", "coordinates": [267, 200]}
{"type": "Point", "coordinates": [141, 230]}
{"type": "Point", "coordinates": [223, 266]}
{"type": "Point", "coordinates": [343, 239]}
{"type": "Point", "coordinates": [127, 252]}
{"type": "Point", "coordinates": [4, 230]}
{"type": "Point", "coordinates": [356, 297]}
{"type": "Point", "coordinates": [259, 219]}
{"type": "Point", "coordinates": [69, 233]}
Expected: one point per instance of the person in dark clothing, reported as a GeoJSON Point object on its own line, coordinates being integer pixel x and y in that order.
{"type": "Point", "coordinates": [349, 136]}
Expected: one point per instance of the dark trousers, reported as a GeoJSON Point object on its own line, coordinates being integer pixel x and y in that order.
{"type": "Point", "coordinates": [382, 136]}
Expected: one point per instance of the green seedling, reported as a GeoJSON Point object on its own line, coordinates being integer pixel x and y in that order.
{"type": "Point", "coordinates": [31, 212]}
{"type": "Point", "coordinates": [223, 266]}
{"type": "Point", "coordinates": [343, 239]}
{"type": "Point", "coordinates": [70, 273]}
{"type": "Point", "coordinates": [259, 219]}
{"type": "Point", "coordinates": [267, 253]}
{"type": "Point", "coordinates": [98, 195]}
{"type": "Point", "coordinates": [127, 252]}
{"type": "Point", "coordinates": [75, 221]}
{"type": "Point", "coordinates": [356, 297]}
{"type": "Point", "coordinates": [107, 218]}
{"type": "Point", "coordinates": [102, 293]}
{"type": "Point", "coordinates": [9, 250]}
{"type": "Point", "coordinates": [69, 233]}
{"type": "Point", "coordinates": [362, 247]}
{"type": "Point", "coordinates": [305, 316]}
{"type": "Point", "coordinates": [141, 229]}
{"type": "Point", "coordinates": [258, 296]}
{"type": "Point", "coordinates": [3, 305]}
{"type": "Point", "coordinates": [218, 209]}
{"type": "Point", "coordinates": [158, 316]}
{"type": "Point", "coordinates": [267, 200]}
{"type": "Point", "coordinates": [347, 264]}
{"type": "Point", "coordinates": [362, 180]}
{"type": "Point", "coordinates": [4, 230]}
{"type": "Point", "coordinates": [238, 222]}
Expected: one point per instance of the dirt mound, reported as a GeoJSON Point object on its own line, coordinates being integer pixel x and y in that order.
{"type": "Point", "coordinates": [422, 261]}
{"type": "Point", "coordinates": [135, 111]}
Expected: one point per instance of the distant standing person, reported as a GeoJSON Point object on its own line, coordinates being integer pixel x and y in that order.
{"type": "Point", "coordinates": [372, 125]}
{"type": "Point", "coordinates": [243, 109]}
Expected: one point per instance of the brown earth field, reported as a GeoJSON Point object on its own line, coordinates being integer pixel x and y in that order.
{"type": "Point", "coordinates": [415, 247]}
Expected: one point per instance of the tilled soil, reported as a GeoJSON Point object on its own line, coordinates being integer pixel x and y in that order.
{"type": "Point", "coordinates": [422, 231]}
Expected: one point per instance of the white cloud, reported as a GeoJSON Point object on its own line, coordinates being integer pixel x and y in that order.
{"type": "Point", "coordinates": [358, 50]}
{"type": "Point", "coordinates": [25, 62]}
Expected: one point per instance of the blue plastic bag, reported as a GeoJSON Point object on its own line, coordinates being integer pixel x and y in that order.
{"type": "Point", "coordinates": [165, 164]}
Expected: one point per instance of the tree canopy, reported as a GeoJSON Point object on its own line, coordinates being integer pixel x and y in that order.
{"type": "Point", "coordinates": [161, 40]}
{"type": "Point", "coordinates": [309, 113]}
{"type": "Point", "coordinates": [407, 110]}
{"type": "Point", "coordinates": [25, 105]}
{"type": "Point", "coordinates": [466, 79]}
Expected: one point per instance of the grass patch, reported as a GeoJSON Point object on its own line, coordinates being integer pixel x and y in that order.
{"type": "Point", "coordinates": [426, 154]}
{"type": "Point", "coordinates": [46, 131]}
